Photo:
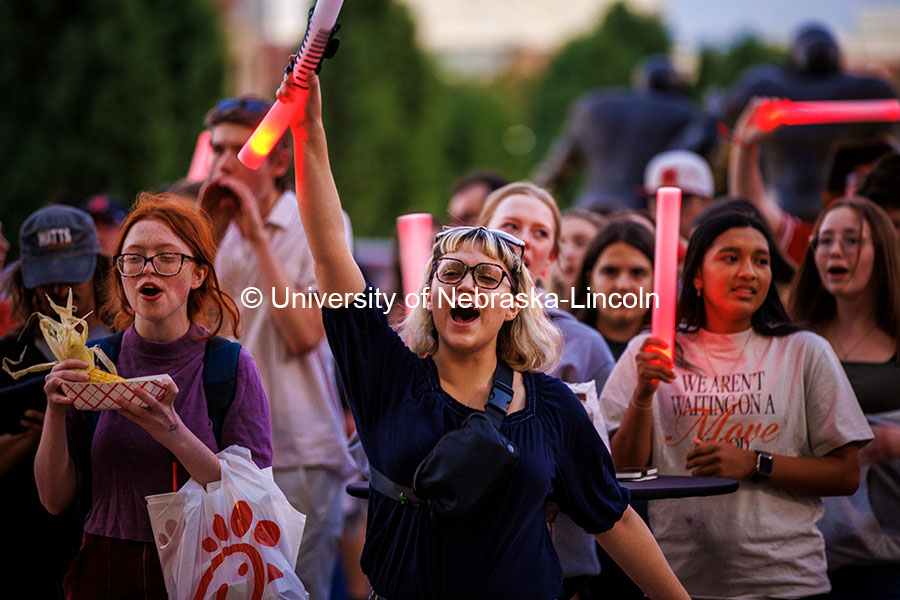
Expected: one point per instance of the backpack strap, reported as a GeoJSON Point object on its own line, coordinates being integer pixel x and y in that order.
{"type": "Point", "coordinates": [501, 394]}
{"type": "Point", "coordinates": [220, 364]}
{"type": "Point", "coordinates": [111, 345]}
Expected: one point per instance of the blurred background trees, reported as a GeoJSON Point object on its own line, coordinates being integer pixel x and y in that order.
{"type": "Point", "coordinates": [109, 95]}
{"type": "Point", "coordinates": [101, 96]}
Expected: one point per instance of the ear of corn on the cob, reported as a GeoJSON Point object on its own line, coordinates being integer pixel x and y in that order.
{"type": "Point", "coordinates": [67, 338]}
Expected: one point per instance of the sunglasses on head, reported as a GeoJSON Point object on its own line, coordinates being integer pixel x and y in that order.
{"type": "Point", "coordinates": [508, 238]}
{"type": "Point", "coordinates": [249, 105]}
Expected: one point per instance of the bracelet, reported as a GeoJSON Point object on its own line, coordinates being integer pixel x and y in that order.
{"type": "Point", "coordinates": [642, 406]}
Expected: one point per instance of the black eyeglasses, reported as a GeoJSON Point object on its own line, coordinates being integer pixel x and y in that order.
{"type": "Point", "coordinates": [487, 276]}
{"type": "Point", "coordinates": [500, 235]}
{"type": "Point", "coordinates": [250, 105]}
{"type": "Point", "coordinates": [166, 264]}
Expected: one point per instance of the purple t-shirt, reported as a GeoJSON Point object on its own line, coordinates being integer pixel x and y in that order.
{"type": "Point", "coordinates": [127, 464]}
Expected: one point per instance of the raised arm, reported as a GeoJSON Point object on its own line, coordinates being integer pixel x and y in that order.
{"type": "Point", "coordinates": [744, 176]}
{"type": "Point", "coordinates": [318, 201]}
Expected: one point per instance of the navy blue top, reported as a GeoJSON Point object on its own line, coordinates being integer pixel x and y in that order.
{"type": "Point", "coordinates": [505, 550]}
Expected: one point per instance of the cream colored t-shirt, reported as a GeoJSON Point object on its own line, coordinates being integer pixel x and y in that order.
{"type": "Point", "coordinates": [786, 395]}
{"type": "Point", "coordinates": [307, 422]}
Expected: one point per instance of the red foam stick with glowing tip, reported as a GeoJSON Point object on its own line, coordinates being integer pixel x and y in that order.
{"type": "Point", "coordinates": [772, 113]}
{"type": "Point", "coordinates": [202, 160]}
{"type": "Point", "coordinates": [278, 119]}
{"type": "Point", "coordinates": [665, 266]}
{"type": "Point", "coordinates": [414, 241]}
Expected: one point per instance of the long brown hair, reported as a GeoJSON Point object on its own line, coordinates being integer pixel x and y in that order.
{"type": "Point", "coordinates": [813, 304]}
{"type": "Point", "coordinates": [208, 305]}
{"type": "Point", "coordinates": [618, 229]}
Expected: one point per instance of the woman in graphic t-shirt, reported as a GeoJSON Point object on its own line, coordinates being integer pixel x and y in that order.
{"type": "Point", "coordinates": [749, 397]}
{"type": "Point", "coordinates": [848, 290]}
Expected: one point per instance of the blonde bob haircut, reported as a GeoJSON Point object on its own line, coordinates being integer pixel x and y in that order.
{"type": "Point", "coordinates": [528, 342]}
{"type": "Point", "coordinates": [523, 188]}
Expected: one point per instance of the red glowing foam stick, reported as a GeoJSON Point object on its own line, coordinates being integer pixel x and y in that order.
{"type": "Point", "coordinates": [665, 266]}
{"type": "Point", "coordinates": [414, 242]}
{"type": "Point", "coordinates": [278, 119]}
{"type": "Point", "coordinates": [202, 160]}
{"type": "Point", "coordinates": [772, 113]}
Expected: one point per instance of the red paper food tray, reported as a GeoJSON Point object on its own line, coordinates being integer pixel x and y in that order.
{"type": "Point", "coordinates": [103, 395]}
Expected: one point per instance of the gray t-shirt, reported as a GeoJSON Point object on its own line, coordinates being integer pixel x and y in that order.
{"type": "Point", "coordinates": [786, 395]}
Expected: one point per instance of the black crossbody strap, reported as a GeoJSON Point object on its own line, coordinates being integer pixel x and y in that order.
{"type": "Point", "coordinates": [501, 394]}
{"type": "Point", "coordinates": [394, 491]}
{"type": "Point", "coordinates": [498, 403]}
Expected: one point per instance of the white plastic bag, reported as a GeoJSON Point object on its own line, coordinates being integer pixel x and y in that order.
{"type": "Point", "coordinates": [238, 539]}
{"type": "Point", "coordinates": [587, 393]}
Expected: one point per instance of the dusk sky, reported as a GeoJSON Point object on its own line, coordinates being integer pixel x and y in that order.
{"type": "Point", "coordinates": [693, 22]}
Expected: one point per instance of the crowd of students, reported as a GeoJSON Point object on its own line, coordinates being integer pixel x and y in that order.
{"type": "Point", "coordinates": [783, 376]}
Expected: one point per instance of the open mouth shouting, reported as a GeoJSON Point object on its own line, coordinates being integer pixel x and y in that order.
{"type": "Point", "coordinates": [837, 272]}
{"type": "Point", "coordinates": [463, 316]}
{"type": "Point", "coordinates": [149, 291]}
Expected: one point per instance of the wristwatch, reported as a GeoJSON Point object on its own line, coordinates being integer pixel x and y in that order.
{"type": "Point", "coordinates": [763, 466]}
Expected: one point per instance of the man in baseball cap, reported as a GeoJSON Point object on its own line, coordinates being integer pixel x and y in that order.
{"type": "Point", "coordinates": [59, 251]}
{"type": "Point", "coordinates": [685, 170]}
{"type": "Point", "coordinates": [59, 243]}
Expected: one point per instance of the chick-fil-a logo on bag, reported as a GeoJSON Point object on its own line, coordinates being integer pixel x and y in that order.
{"type": "Point", "coordinates": [266, 533]}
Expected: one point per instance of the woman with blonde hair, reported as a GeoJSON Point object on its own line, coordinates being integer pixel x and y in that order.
{"type": "Point", "coordinates": [405, 402]}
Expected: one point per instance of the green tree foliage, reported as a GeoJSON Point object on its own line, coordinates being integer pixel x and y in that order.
{"type": "Point", "coordinates": [722, 67]}
{"type": "Point", "coordinates": [375, 98]}
{"type": "Point", "coordinates": [605, 57]}
{"type": "Point", "coordinates": [101, 95]}
{"type": "Point", "coordinates": [477, 127]}
{"type": "Point", "coordinates": [398, 133]}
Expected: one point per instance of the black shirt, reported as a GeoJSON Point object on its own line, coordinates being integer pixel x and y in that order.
{"type": "Point", "coordinates": [877, 385]}
{"type": "Point", "coordinates": [504, 550]}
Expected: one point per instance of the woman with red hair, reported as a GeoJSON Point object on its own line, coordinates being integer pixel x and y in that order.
{"type": "Point", "coordinates": [170, 306]}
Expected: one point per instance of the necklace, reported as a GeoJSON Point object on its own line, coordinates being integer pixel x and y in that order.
{"type": "Point", "coordinates": [844, 355]}
{"type": "Point", "coordinates": [733, 364]}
